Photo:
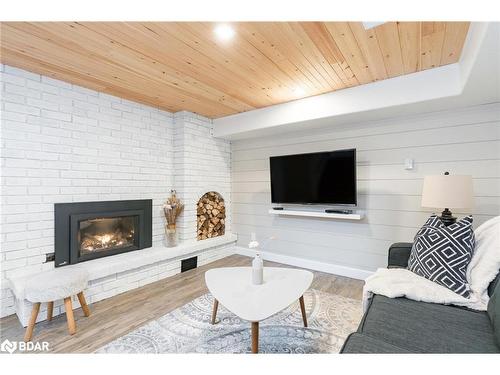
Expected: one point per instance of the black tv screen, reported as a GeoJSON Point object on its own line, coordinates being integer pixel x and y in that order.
{"type": "Point", "coordinates": [318, 178]}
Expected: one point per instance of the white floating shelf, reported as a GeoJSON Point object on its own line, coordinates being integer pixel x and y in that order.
{"type": "Point", "coordinates": [322, 214]}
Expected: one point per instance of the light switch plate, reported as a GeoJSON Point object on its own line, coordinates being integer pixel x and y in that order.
{"type": "Point", "coordinates": [408, 164]}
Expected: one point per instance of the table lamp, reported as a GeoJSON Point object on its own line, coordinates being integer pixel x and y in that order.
{"type": "Point", "coordinates": [447, 191]}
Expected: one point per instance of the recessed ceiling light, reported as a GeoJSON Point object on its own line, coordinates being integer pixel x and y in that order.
{"type": "Point", "coordinates": [371, 25]}
{"type": "Point", "coordinates": [224, 32]}
{"type": "Point", "coordinates": [299, 91]}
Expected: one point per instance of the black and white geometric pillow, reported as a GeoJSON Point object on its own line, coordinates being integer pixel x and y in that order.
{"type": "Point", "coordinates": [442, 253]}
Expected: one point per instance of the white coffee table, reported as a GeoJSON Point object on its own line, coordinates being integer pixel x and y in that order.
{"type": "Point", "coordinates": [233, 288]}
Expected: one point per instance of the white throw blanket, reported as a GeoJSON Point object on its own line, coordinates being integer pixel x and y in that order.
{"type": "Point", "coordinates": [482, 269]}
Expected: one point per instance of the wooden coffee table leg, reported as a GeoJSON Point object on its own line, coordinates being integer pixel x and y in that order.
{"type": "Point", "coordinates": [214, 311]}
{"type": "Point", "coordinates": [303, 310]}
{"type": "Point", "coordinates": [255, 337]}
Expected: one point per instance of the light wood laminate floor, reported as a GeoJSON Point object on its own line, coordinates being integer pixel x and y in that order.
{"type": "Point", "coordinates": [118, 315]}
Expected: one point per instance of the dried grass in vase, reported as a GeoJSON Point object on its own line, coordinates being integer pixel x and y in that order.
{"type": "Point", "coordinates": [172, 209]}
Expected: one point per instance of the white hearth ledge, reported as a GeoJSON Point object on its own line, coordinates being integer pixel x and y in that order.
{"type": "Point", "coordinates": [103, 267]}
{"type": "Point", "coordinates": [119, 273]}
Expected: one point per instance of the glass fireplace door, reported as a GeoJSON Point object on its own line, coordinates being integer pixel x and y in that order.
{"type": "Point", "coordinates": [99, 235]}
{"type": "Point", "coordinates": [104, 234]}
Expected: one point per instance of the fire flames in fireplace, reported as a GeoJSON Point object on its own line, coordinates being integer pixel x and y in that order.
{"type": "Point", "coordinates": [106, 233]}
{"type": "Point", "coordinates": [106, 241]}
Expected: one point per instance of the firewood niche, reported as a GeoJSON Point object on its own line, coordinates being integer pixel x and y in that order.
{"type": "Point", "coordinates": [211, 216]}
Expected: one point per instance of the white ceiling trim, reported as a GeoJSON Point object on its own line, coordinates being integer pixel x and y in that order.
{"type": "Point", "coordinates": [429, 86]}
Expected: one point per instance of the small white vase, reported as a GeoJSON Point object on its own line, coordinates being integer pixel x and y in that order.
{"type": "Point", "coordinates": [170, 235]}
{"type": "Point", "coordinates": [257, 270]}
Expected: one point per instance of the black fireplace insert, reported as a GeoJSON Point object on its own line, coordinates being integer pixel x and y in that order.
{"type": "Point", "coordinates": [90, 230]}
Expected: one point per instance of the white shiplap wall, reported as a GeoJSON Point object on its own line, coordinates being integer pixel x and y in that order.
{"type": "Point", "coordinates": [462, 142]}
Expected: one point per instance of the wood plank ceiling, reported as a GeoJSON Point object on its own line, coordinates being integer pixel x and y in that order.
{"type": "Point", "coordinates": [183, 66]}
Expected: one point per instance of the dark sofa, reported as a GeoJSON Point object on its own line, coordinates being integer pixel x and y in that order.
{"type": "Point", "coordinates": [400, 325]}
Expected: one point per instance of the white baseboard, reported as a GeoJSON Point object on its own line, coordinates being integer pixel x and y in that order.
{"type": "Point", "coordinates": [315, 265]}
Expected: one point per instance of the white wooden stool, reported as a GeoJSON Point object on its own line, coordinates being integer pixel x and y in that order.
{"type": "Point", "coordinates": [49, 286]}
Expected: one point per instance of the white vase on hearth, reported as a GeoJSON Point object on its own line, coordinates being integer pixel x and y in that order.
{"type": "Point", "coordinates": [171, 235]}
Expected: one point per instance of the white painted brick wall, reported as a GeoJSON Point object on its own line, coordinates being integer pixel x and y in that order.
{"type": "Point", "coordinates": [64, 143]}
{"type": "Point", "coordinates": [202, 163]}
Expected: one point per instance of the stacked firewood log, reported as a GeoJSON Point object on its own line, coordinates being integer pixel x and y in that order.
{"type": "Point", "coordinates": [211, 215]}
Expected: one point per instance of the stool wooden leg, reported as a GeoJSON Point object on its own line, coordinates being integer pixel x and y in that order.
{"type": "Point", "coordinates": [31, 324]}
{"type": "Point", "coordinates": [83, 304]}
{"type": "Point", "coordinates": [50, 310]}
{"type": "Point", "coordinates": [69, 315]}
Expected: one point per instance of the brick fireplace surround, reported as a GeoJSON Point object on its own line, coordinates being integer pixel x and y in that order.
{"type": "Point", "coordinates": [64, 143]}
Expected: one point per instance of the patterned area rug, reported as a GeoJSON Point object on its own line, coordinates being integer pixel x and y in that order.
{"type": "Point", "coordinates": [331, 319]}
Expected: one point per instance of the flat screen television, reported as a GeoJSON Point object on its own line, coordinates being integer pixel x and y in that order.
{"type": "Point", "coordinates": [317, 178]}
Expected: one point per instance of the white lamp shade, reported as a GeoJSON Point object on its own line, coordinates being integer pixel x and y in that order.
{"type": "Point", "coordinates": [447, 191]}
